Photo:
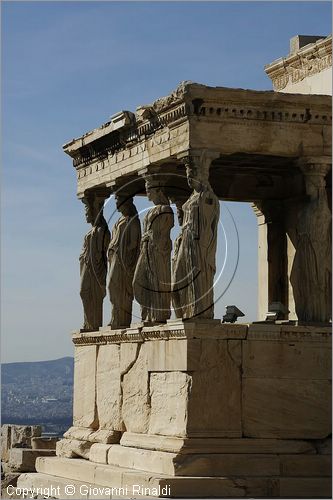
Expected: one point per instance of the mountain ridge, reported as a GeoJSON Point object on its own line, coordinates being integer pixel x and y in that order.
{"type": "Point", "coordinates": [38, 391]}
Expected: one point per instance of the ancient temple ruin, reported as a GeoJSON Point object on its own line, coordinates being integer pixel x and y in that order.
{"type": "Point", "coordinates": [201, 407]}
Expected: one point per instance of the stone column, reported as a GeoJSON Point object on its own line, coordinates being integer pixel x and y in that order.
{"type": "Point", "coordinates": [93, 261]}
{"type": "Point", "coordinates": [195, 266]}
{"type": "Point", "coordinates": [312, 266]}
{"type": "Point", "coordinates": [262, 263]}
{"type": "Point", "coordinates": [277, 255]}
{"type": "Point", "coordinates": [152, 276]}
{"type": "Point", "coordinates": [123, 254]}
{"type": "Point", "coordinates": [272, 256]}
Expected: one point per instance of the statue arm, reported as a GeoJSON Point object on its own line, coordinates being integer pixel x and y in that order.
{"type": "Point", "coordinates": [102, 240]}
{"type": "Point", "coordinates": [209, 210]}
{"type": "Point", "coordinates": [168, 218]}
{"type": "Point", "coordinates": [134, 236]}
{"type": "Point", "coordinates": [196, 222]}
{"type": "Point", "coordinates": [107, 239]}
{"type": "Point", "coordinates": [132, 245]}
{"type": "Point", "coordinates": [99, 256]}
{"type": "Point", "coordinates": [162, 225]}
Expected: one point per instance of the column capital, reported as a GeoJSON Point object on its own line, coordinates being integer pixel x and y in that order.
{"type": "Point", "coordinates": [199, 158]}
{"type": "Point", "coordinates": [198, 154]}
{"type": "Point", "coordinates": [149, 170]}
{"type": "Point", "coordinates": [315, 165]}
{"type": "Point", "coordinates": [128, 189]}
{"type": "Point", "coordinates": [112, 185]}
{"type": "Point", "coordinates": [95, 195]}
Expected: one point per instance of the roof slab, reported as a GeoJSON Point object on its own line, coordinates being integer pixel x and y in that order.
{"type": "Point", "coordinates": [259, 137]}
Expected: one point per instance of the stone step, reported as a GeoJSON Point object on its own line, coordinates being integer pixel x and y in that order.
{"type": "Point", "coordinates": [306, 465]}
{"type": "Point", "coordinates": [216, 445]}
{"type": "Point", "coordinates": [219, 464]}
{"type": "Point", "coordinates": [168, 464]}
{"type": "Point", "coordinates": [23, 459]}
{"type": "Point", "coordinates": [184, 487]}
{"type": "Point", "coordinates": [88, 472]}
{"type": "Point", "coordinates": [214, 464]}
{"type": "Point", "coordinates": [176, 464]}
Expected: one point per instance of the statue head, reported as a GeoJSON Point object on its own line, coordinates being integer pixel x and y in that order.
{"type": "Point", "coordinates": [197, 179]}
{"type": "Point", "coordinates": [155, 190]}
{"type": "Point", "coordinates": [315, 171]}
{"type": "Point", "coordinates": [93, 208]}
{"type": "Point", "coordinates": [125, 205]}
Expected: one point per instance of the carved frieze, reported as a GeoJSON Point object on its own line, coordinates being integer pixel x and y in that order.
{"type": "Point", "coordinates": [193, 117]}
{"type": "Point", "coordinates": [303, 64]}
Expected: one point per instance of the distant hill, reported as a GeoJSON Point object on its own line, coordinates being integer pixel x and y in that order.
{"type": "Point", "coordinates": [12, 372]}
{"type": "Point", "coordinates": [38, 392]}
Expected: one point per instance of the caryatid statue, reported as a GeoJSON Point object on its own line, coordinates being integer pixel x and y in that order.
{"type": "Point", "coordinates": [93, 264]}
{"type": "Point", "coordinates": [152, 278]}
{"type": "Point", "coordinates": [179, 201]}
{"type": "Point", "coordinates": [194, 269]}
{"type": "Point", "coordinates": [123, 254]}
{"type": "Point", "coordinates": [311, 274]}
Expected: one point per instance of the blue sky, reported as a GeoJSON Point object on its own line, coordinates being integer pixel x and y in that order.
{"type": "Point", "coordinates": [68, 66]}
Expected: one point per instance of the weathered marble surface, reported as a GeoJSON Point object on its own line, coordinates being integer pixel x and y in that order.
{"type": "Point", "coordinates": [93, 264]}
{"type": "Point", "coordinates": [186, 396]}
{"type": "Point", "coordinates": [307, 69]}
{"type": "Point", "coordinates": [84, 404]}
{"type": "Point", "coordinates": [254, 123]}
{"type": "Point", "coordinates": [157, 383]}
{"type": "Point", "coordinates": [24, 459]}
{"type": "Point", "coordinates": [123, 254]}
{"type": "Point", "coordinates": [152, 278]}
{"type": "Point", "coordinates": [175, 295]}
{"type": "Point", "coordinates": [194, 266]}
{"type": "Point", "coordinates": [282, 476]}
{"type": "Point", "coordinates": [135, 392]}
{"type": "Point", "coordinates": [311, 274]}
{"type": "Point", "coordinates": [108, 388]}
{"type": "Point", "coordinates": [14, 436]}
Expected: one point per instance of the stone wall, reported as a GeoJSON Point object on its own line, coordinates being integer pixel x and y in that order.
{"type": "Point", "coordinates": [202, 408]}
{"type": "Point", "coordinates": [195, 380]}
{"type": "Point", "coordinates": [21, 445]}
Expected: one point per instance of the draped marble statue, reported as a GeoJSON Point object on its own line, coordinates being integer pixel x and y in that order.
{"type": "Point", "coordinates": [152, 278]}
{"type": "Point", "coordinates": [175, 296]}
{"type": "Point", "coordinates": [194, 268]}
{"type": "Point", "coordinates": [93, 264]}
{"type": "Point", "coordinates": [123, 254]}
{"type": "Point", "coordinates": [311, 273]}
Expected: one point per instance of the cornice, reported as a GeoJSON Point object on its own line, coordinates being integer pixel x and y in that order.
{"type": "Point", "coordinates": [128, 337]}
{"type": "Point", "coordinates": [210, 112]}
{"type": "Point", "coordinates": [307, 61]}
{"type": "Point", "coordinates": [217, 331]}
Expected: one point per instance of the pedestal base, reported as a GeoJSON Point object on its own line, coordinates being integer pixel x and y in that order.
{"type": "Point", "coordinates": [202, 409]}
{"type": "Point", "coordinates": [292, 476]}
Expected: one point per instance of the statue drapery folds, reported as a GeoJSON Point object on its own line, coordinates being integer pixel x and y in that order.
{"type": "Point", "coordinates": [93, 264]}
{"type": "Point", "coordinates": [152, 278]}
{"type": "Point", "coordinates": [140, 266]}
{"type": "Point", "coordinates": [311, 274]}
{"type": "Point", "coordinates": [123, 254]}
{"type": "Point", "coordinates": [194, 267]}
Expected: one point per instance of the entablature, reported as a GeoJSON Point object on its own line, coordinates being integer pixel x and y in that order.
{"type": "Point", "coordinates": [262, 126]}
